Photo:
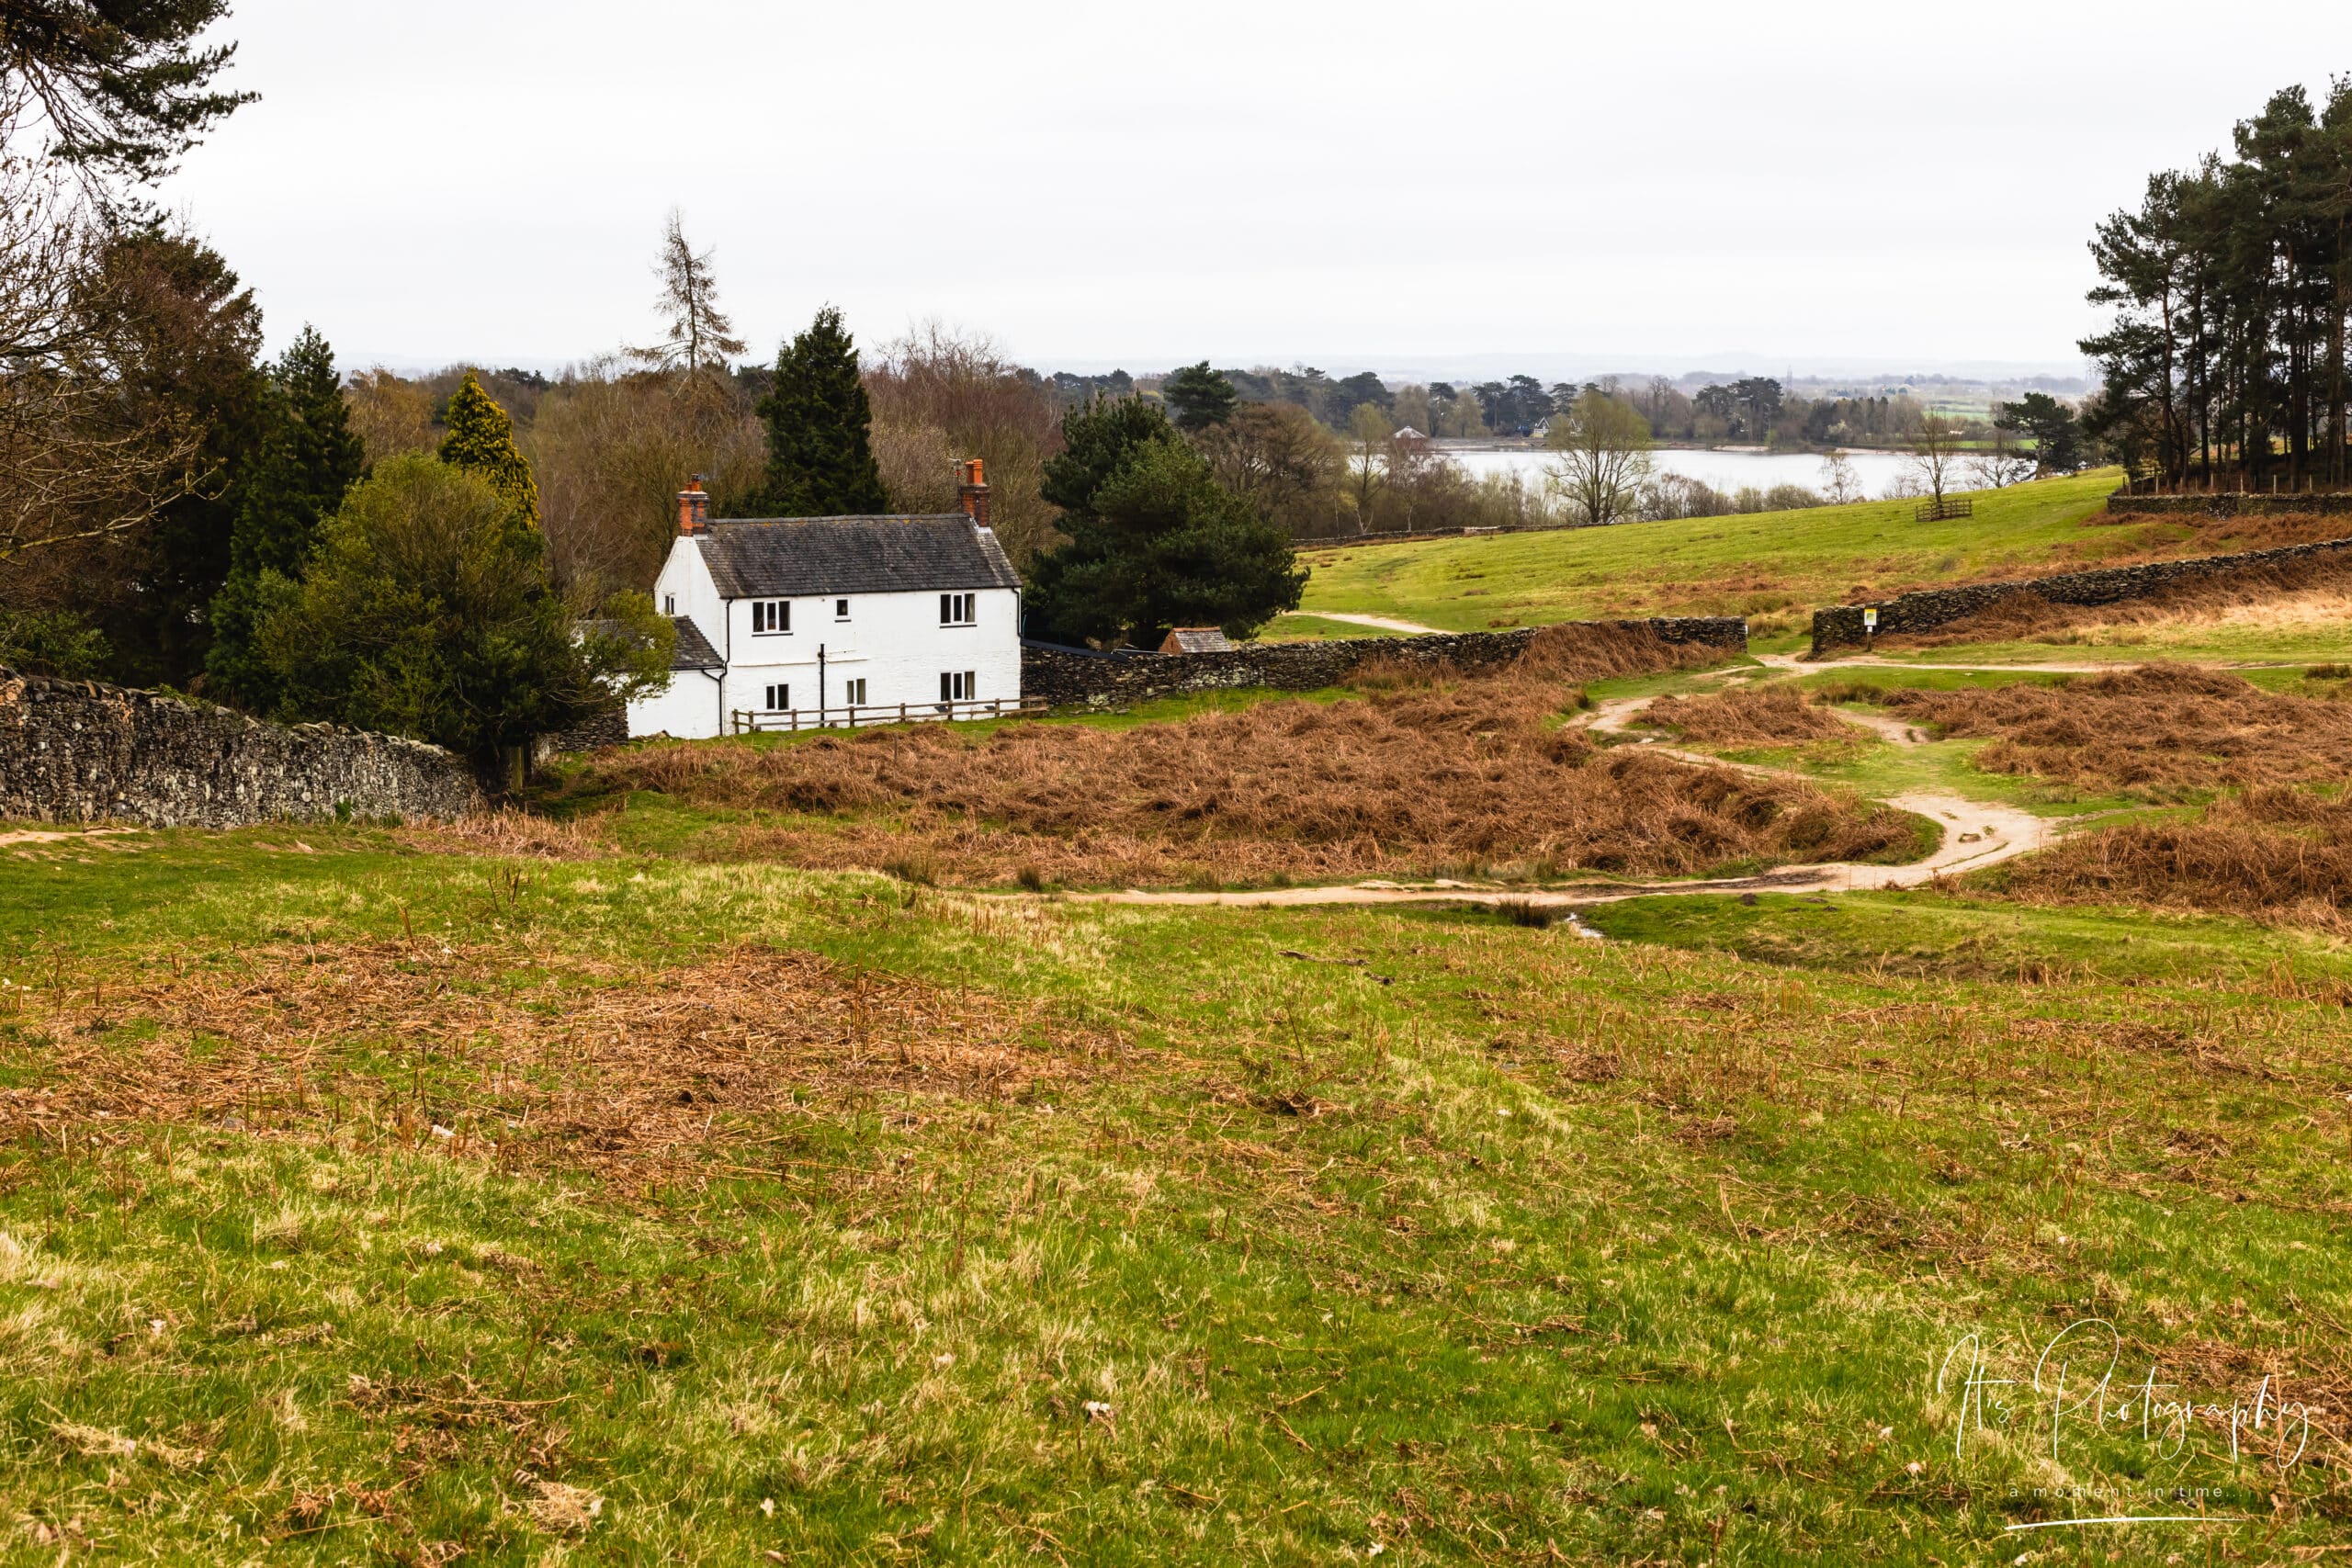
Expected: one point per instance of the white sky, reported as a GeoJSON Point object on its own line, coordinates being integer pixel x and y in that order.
{"type": "Point", "coordinates": [1371, 184]}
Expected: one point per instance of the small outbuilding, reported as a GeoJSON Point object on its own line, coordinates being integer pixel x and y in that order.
{"type": "Point", "coordinates": [1198, 639]}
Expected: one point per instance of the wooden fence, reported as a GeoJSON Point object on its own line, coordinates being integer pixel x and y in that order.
{"type": "Point", "coordinates": [1948, 507]}
{"type": "Point", "coordinates": [752, 721]}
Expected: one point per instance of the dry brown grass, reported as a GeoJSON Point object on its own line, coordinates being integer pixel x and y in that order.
{"type": "Point", "coordinates": [629, 1073]}
{"type": "Point", "coordinates": [507, 831]}
{"type": "Point", "coordinates": [1748, 716]}
{"type": "Point", "coordinates": [2029, 617]}
{"type": "Point", "coordinates": [2162, 732]}
{"type": "Point", "coordinates": [1432, 773]}
{"type": "Point", "coordinates": [2277, 853]}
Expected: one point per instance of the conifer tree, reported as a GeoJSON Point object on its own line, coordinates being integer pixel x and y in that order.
{"type": "Point", "coordinates": [308, 457]}
{"type": "Point", "coordinates": [820, 459]}
{"type": "Point", "coordinates": [482, 438]}
{"type": "Point", "coordinates": [701, 336]}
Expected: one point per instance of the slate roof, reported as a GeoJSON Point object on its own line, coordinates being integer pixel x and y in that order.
{"type": "Point", "coordinates": [1198, 639]}
{"type": "Point", "coordinates": [786, 558]}
{"type": "Point", "coordinates": [694, 651]}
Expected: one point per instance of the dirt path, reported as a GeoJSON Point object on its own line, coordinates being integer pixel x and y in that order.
{"type": "Point", "coordinates": [1798, 663]}
{"type": "Point", "coordinates": [1379, 622]}
{"type": "Point", "coordinates": [1976, 834]}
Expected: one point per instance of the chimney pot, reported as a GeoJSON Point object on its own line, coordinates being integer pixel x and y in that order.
{"type": "Point", "coordinates": [972, 491]}
{"type": "Point", "coordinates": [693, 509]}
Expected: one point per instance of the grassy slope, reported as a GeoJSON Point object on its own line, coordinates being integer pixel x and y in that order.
{"type": "Point", "coordinates": [1504, 1246]}
{"type": "Point", "coordinates": [1763, 566]}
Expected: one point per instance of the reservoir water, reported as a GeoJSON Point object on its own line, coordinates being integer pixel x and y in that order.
{"type": "Point", "coordinates": [1728, 472]}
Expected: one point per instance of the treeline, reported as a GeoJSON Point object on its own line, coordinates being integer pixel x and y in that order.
{"type": "Point", "coordinates": [176, 511]}
{"type": "Point", "coordinates": [2231, 285]}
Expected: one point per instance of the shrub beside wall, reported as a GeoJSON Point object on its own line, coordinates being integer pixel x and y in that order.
{"type": "Point", "coordinates": [76, 751]}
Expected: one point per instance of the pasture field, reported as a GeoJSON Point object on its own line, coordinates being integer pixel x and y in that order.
{"type": "Point", "coordinates": [1776, 567]}
{"type": "Point", "coordinates": [656, 1176]}
{"type": "Point", "coordinates": [372, 1203]}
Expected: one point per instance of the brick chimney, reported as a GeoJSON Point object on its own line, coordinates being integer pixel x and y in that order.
{"type": "Point", "coordinates": [972, 492]}
{"type": "Point", "coordinates": [693, 508]}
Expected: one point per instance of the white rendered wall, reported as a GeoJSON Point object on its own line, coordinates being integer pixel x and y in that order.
{"type": "Point", "coordinates": [893, 641]}
{"type": "Point", "coordinates": [688, 709]}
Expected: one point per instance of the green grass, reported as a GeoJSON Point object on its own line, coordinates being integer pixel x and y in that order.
{"type": "Point", "coordinates": [2201, 640]}
{"type": "Point", "coordinates": [1297, 627]}
{"type": "Point", "coordinates": [1772, 567]}
{"type": "Point", "coordinates": [1473, 1242]}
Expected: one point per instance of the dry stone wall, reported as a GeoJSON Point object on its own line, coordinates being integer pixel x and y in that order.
{"type": "Point", "coordinates": [2230, 503]}
{"type": "Point", "coordinates": [1077, 677]}
{"type": "Point", "coordinates": [76, 751]}
{"type": "Point", "coordinates": [1842, 625]}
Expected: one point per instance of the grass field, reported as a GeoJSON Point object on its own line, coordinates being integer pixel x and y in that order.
{"type": "Point", "coordinates": [1774, 567]}
{"type": "Point", "coordinates": [2297, 628]}
{"type": "Point", "coordinates": [605, 1185]}
{"type": "Point", "coordinates": [373, 1204]}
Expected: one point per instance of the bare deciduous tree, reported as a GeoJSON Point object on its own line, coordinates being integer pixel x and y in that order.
{"type": "Point", "coordinates": [1839, 482]}
{"type": "Point", "coordinates": [1604, 455]}
{"type": "Point", "coordinates": [610, 450]}
{"type": "Point", "coordinates": [1369, 441]}
{"type": "Point", "coordinates": [73, 469]}
{"type": "Point", "coordinates": [701, 336]}
{"type": "Point", "coordinates": [941, 393]}
{"type": "Point", "coordinates": [390, 414]}
{"type": "Point", "coordinates": [1934, 455]}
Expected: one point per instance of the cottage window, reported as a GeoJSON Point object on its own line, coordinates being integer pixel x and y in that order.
{"type": "Point", "coordinates": [779, 698]}
{"type": "Point", "coordinates": [956, 685]}
{"type": "Point", "coordinates": [841, 609]}
{"type": "Point", "coordinates": [857, 693]}
{"type": "Point", "coordinates": [958, 609]}
{"type": "Point", "coordinates": [669, 604]}
{"type": "Point", "coordinates": [771, 615]}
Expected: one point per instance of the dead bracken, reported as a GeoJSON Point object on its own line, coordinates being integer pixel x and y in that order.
{"type": "Point", "coordinates": [1421, 774]}
{"type": "Point", "coordinates": [630, 1073]}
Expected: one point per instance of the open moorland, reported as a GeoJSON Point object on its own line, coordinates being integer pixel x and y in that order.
{"type": "Point", "coordinates": [776, 1150]}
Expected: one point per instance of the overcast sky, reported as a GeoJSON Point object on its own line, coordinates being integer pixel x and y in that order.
{"type": "Point", "coordinates": [1369, 184]}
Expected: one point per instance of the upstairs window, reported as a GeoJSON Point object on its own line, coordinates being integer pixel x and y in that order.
{"type": "Point", "coordinates": [958, 609]}
{"type": "Point", "coordinates": [669, 605]}
{"type": "Point", "coordinates": [771, 615]}
{"type": "Point", "coordinates": [841, 609]}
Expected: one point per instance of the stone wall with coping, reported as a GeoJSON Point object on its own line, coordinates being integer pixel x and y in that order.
{"type": "Point", "coordinates": [1067, 678]}
{"type": "Point", "coordinates": [2230, 503]}
{"type": "Point", "coordinates": [1842, 625]}
{"type": "Point", "coordinates": [77, 751]}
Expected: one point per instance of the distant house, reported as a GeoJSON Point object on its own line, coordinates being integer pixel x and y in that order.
{"type": "Point", "coordinates": [793, 622]}
{"type": "Point", "coordinates": [1198, 639]}
{"type": "Point", "coordinates": [1409, 434]}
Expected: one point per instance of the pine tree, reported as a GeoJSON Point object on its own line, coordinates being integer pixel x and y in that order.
{"type": "Point", "coordinates": [700, 333]}
{"type": "Point", "coordinates": [1155, 542]}
{"type": "Point", "coordinates": [820, 460]}
{"type": "Point", "coordinates": [1199, 397]}
{"type": "Point", "coordinates": [483, 438]}
{"type": "Point", "coordinates": [308, 457]}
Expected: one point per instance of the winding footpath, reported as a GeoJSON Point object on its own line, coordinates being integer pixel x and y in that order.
{"type": "Point", "coordinates": [1976, 834]}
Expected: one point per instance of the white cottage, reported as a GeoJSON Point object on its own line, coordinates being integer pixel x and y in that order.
{"type": "Point", "coordinates": [787, 623]}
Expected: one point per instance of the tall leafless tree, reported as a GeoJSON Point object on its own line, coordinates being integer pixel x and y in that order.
{"type": "Point", "coordinates": [701, 336]}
